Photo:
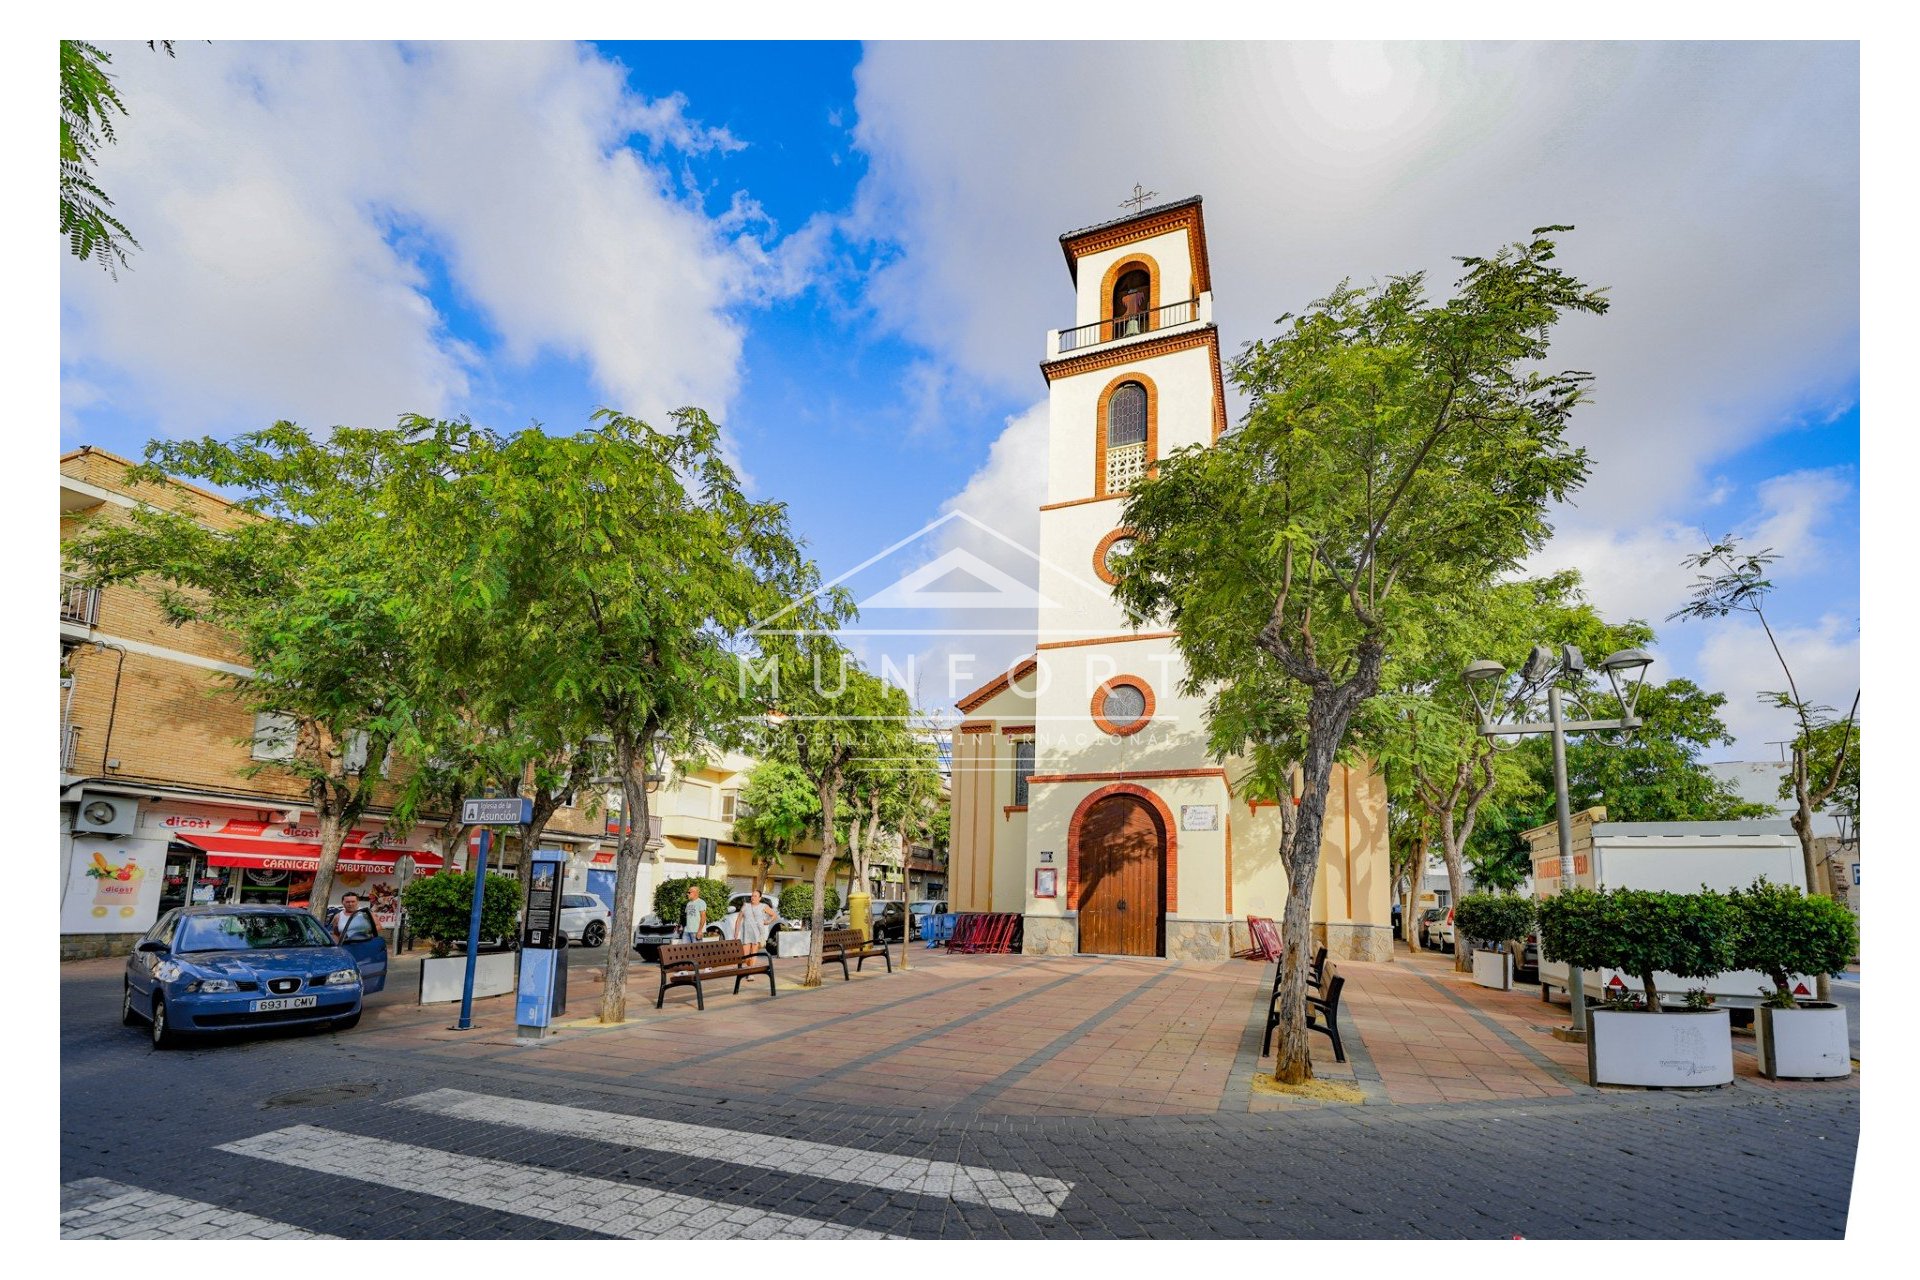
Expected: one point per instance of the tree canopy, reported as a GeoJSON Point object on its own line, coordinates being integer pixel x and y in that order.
{"type": "Point", "coordinates": [1397, 451]}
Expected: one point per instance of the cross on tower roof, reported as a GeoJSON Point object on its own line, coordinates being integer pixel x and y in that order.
{"type": "Point", "coordinates": [1139, 198]}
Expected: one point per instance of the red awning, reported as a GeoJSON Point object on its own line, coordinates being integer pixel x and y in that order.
{"type": "Point", "coordinates": [296, 855]}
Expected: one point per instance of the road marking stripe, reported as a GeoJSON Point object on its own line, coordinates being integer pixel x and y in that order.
{"type": "Point", "coordinates": [593, 1204]}
{"type": "Point", "coordinates": [102, 1209]}
{"type": "Point", "coordinates": [1015, 1192]}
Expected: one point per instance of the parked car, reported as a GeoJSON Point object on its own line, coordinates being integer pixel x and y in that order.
{"type": "Point", "coordinates": [226, 968]}
{"type": "Point", "coordinates": [1425, 927]}
{"type": "Point", "coordinates": [584, 918]}
{"type": "Point", "coordinates": [921, 910]}
{"type": "Point", "coordinates": [889, 921]}
{"type": "Point", "coordinates": [651, 932]}
{"type": "Point", "coordinates": [1526, 957]}
{"type": "Point", "coordinates": [1441, 931]}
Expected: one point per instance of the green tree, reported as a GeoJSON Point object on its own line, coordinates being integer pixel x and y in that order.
{"type": "Point", "coordinates": [1644, 932]}
{"type": "Point", "coordinates": [1491, 917]}
{"type": "Point", "coordinates": [1784, 932]}
{"type": "Point", "coordinates": [302, 584]}
{"type": "Point", "coordinates": [1735, 581]}
{"type": "Point", "coordinates": [778, 807]}
{"type": "Point", "coordinates": [831, 718]}
{"type": "Point", "coordinates": [1431, 733]}
{"type": "Point", "coordinates": [1397, 451]}
{"type": "Point", "coordinates": [636, 564]}
{"type": "Point", "coordinates": [440, 906]}
{"type": "Point", "coordinates": [88, 104]}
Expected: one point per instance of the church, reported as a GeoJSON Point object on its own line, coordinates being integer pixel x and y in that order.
{"type": "Point", "coordinates": [1084, 798]}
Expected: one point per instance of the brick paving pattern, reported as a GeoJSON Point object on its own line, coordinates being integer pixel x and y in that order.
{"type": "Point", "coordinates": [970, 1097]}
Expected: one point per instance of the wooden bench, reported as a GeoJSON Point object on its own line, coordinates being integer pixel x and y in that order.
{"type": "Point", "coordinates": [690, 964]}
{"type": "Point", "coordinates": [1323, 1012]}
{"type": "Point", "coordinates": [842, 945]}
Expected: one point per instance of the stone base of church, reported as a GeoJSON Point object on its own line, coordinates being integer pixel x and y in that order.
{"type": "Point", "coordinates": [1199, 940]}
{"type": "Point", "coordinates": [1355, 941]}
{"type": "Point", "coordinates": [1049, 936]}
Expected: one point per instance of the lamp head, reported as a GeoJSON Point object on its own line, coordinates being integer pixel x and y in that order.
{"type": "Point", "coordinates": [1485, 680]}
{"type": "Point", "coordinates": [1627, 671]}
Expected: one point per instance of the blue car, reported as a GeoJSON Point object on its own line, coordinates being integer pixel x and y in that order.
{"type": "Point", "coordinates": [226, 968]}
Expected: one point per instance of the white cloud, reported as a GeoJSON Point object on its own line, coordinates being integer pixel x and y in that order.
{"type": "Point", "coordinates": [1738, 660]}
{"type": "Point", "coordinates": [1715, 188]}
{"type": "Point", "coordinates": [288, 198]}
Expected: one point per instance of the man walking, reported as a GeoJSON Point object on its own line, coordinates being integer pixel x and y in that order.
{"type": "Point", "coordinates": [693, 920]}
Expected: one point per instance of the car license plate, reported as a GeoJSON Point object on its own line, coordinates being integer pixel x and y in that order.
{"type": "Point", "coordinates": [291, 1002]}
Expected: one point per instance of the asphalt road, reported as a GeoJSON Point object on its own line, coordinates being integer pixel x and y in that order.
{"type": "Point", "coordinates": [296, 1134]}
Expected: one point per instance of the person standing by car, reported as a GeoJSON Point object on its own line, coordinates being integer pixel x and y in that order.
{"type": "Point", "coordinates": [753, 921]}
{"type": "Point", "coordinates": [693, 917]}
{"type": "Point", "coordinates": [343, 916]}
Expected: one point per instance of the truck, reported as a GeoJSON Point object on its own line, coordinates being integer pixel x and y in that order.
{"type": "Point", "coordinates": [1678, 857]}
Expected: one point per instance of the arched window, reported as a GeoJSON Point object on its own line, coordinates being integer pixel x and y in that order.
{"type": "Point", "coordinates": [1132, 293]}
{"type": "Point", "coordinates": [1127, 415]}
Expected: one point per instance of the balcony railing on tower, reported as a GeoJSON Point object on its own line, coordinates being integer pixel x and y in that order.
{"type": "Point", "coordinates": [79, 604]}
{"type": "Point", "coordinates": [1116, 327]}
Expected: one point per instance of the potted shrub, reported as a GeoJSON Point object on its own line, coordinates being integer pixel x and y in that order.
{"type": "Point", "coordinates": [670, 899]}
{"type": "Point", "coordinates": [796, 903]}
{"type": "Point", "coordinates": [1490, 921]}
{"type": "Point", "coordinates": [1633, 1039]}
{"type": "Point", "coordinates": [1786, 934]}
{"type": "Point", "coordinates": [438, 908]}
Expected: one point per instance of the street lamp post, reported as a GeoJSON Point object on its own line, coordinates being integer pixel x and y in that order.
{"type": "Point", "coordinates": [1487, 682]}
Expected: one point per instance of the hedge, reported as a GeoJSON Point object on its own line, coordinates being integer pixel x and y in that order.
{"type": "Point", "coordinates": [670, 898]}
{"type": "Point", "coordinates": [439, 906]}
{"type": "Point", "coordinates": [1690, 935]}
{"type": "Point", "coordinates": [1784, 932]}
{"type": "Point", "coordinates": [1493, 917]}
{"type": "Point", "coordinates": [796, 902]}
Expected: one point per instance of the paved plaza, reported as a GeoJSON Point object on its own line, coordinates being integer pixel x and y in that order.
{"type": "Point", "coordinates": [968, 1097]}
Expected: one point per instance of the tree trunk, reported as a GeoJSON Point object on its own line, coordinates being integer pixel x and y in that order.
{"type": "Point", "coordinates": [1456, 886]}
{"type": "Point", "coordinates": [630, 753]}
{"type": "Point", "coordinates": [1653, 992]}
{"type": "Point", "coordinates": [453, 842]}
{"type": "Point", "coordinates": [822, 871]}
{"type": "Point", "coordinates": [1809, 849]}
{"type": "Point", "coordinates": [333, 835]}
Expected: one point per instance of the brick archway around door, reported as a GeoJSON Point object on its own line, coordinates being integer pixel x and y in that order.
{"type": "Point", "coordinates": [1167, 826]}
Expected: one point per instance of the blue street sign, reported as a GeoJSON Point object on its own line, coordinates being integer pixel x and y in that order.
{"type": "Point", "coordinates": [504, 811]}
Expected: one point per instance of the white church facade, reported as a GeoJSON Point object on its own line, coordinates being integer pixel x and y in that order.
{"type": "Point", "coordinates": [1083, 795]}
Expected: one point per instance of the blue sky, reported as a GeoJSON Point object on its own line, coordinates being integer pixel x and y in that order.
{"type": "Point", "coordinates": [850, 255]}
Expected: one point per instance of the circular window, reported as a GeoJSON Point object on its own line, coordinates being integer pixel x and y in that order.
{"type": "Point", "coordinates": [1113, 548]}
{"type": "Point", "coordinates": [1123, 705]}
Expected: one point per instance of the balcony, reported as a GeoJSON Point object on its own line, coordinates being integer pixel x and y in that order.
{"type": "Point", "coordinates": [1066, 342]}
{"type": "Point", "coordinates": [79, 604]}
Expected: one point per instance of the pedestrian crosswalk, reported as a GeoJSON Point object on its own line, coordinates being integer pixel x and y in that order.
{"type": "Point", "coordinates": [100, 1208]}
{"type": "Point", "coordinates": [1014, 1192]}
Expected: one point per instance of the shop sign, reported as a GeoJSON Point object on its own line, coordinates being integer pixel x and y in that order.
{"type": "Point", "coordinates": [114, 886]}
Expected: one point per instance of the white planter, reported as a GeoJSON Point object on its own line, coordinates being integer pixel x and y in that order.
{"type": "Point", "coordinates": [441, 980]}
{"type": "Point", "coordinates": [1805, 1043]}
{"type": "Point", "coordinates": [793, 942]}
{"type": "Point", "coordinates": [1673, 1049]}
{"type": "Point", "coordinates": [1493, 969]}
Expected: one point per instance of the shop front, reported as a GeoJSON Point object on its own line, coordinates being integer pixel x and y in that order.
{"type": "Point", "coordinates": [269, 863]}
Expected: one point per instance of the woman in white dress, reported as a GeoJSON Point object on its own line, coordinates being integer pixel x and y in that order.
{"type": "Point", "coordinates": [756, 918]}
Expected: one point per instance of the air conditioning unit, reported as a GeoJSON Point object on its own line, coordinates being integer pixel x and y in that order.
{"type": "Point", "coordinates": [104, 814]}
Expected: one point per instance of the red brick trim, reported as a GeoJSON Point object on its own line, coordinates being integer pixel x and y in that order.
{"type": "Point", "coordinates": [1121, 774]}
{"type": "Point", "coordinates": [1100, 564]}
{"type": "Point", "coordinates": [1119, 639]}
{"type": "Point", "coordinates": [995, 685]}
{"type": "Point", "coordinates": [1131, 353]}
{"type": "Point", "coordinates": [977, 726]}
{"type": "Point", "coordinates": [1099, 696]}
{"type": "Point", "coordinates": [1008, 810]}
{"type": "Point", "coordinates": [1162, 813]}
{"type": "Point", "coordinates": [1011, 729]}
{"type": "Point", "coordinates": [1141, 260]}
{"type": "Point", "coordinates": [1100, 426]}
{"type": "Point", "coordinates": [1079, 502]}
{"type": "Point", "coordinates": [1185, 216]}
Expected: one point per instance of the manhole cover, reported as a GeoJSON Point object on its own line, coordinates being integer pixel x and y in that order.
{"type": "Point", "coordinates": [322, 1095]}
